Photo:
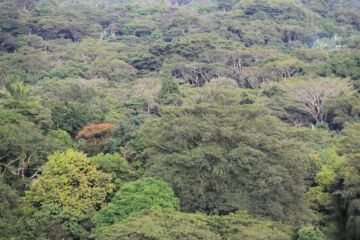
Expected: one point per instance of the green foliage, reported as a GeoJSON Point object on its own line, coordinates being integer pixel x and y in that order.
{"type": "Point", "coordinates": [71, 117]}
{"type": "Point", "coordinates": [61, 137]}
{"type": "Point", "coordinates": [311, 56]}
{"type": "Point", "coordinates": [319, 195]}
{"type": "Point", "coordinates": [275, 9]}
{"type": "Point", "coordinates": [124, 133]}
{"type": "Point", "coordinates": [157, 34]}
{"type": "Point", "coordinates": [330, 166]}
{"type": "Point", "coordinates": [169, 89]}
{"type": "Point", "coordinates": [168, 224]}
{"type": "Point", "coordinates": [27, 62]}
{"type": "Point", "coordinates": [67, 21]}
{"type": "Point", "coordinates": [24, 149]}
{"type": "Point", "coordinates": [343, 65]}
{"type": "Point", "coordinates": [114, 164]}
{"type": "Point", "coordinates": [303, 101]}
{"type": "Point", "coordinates": [310, 233]}
{"type": "Point", "coordinates": [8, 117]}
{"type": "Point", "coordinates": [241, 225]}
{"type": "Point", "coordinates": [232, 153]}
{"type": "Point", "coordinates": [220, 99]}
{"type": "Point", "coordinates": [343, 108]}
{"type": "Point", "coordinates": [67, 193]}
{"type": "Point", "coordinates": [11, 222]}
{"type": "Point", "coordinates": [283, 67]}
{"type": "Point", "coordinates": [63, 72]}
{"type": "Point", "coordinates": [112, 69]}
{"type": "Point", "coordinates": [73, 105]}
{"type": "Point", "coordinates": [223, 82]}
{"type": "Point", "coordinates": [134, 197]}
{"type": "Point", "coordinates": [346, 191]}
{"type": "Point", "coordinates": [15, 88]}
{"type": "Point", "coordinates": [160, 224]}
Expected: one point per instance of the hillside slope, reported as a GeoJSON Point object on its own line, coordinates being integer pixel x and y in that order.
{"type": "Point", "coordinates": [180, 119]}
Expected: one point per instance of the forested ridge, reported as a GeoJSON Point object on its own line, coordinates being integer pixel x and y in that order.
{"type": "Point", "coordinates": [180, 119]}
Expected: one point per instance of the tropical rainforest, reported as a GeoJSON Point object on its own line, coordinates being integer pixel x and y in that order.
{"type": "Point", "coordinates": [180, 119]}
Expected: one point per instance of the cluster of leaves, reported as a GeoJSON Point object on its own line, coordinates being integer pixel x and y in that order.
{"type": "Point", "coordinates": [68, 191]}
{"type": "Point", "coordinates": [168, 224]}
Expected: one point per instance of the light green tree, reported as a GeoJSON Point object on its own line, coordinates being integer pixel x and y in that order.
{"type": "Point", "coordinates": [14, 88]}
{"type": "Point", "coordinates": [69, 190]}
{"type": "Point", "coordinates": [134, 197]}
{"type": "Point", "coordinates": [310, 233]}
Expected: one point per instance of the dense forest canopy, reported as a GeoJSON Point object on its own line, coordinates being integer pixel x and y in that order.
{"type": "Point", "coordinates": [180, 119]}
